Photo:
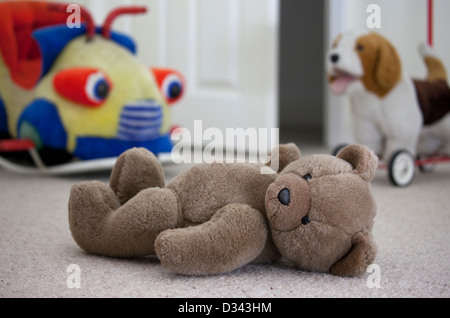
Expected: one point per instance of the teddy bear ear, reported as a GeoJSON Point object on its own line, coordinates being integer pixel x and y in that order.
{"type": "Point", "coordinates": [283, 155]}
{"type": "Point", "coordinates": [363, 160]}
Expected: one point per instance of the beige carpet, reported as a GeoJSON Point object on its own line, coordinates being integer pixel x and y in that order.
{"type": "Point", "coordinates": [412, 230]}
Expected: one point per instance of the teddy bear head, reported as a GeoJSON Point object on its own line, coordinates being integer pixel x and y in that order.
{"type": "Point", "coordinates": [321, 211]}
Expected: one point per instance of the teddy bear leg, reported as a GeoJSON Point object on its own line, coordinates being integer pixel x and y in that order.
{"type": "Point", "coordinates": [233, 237]}
{"type": "Point", "coordinates": [136, 169]}
{"type": "Point", "coordinates": [100, 225]}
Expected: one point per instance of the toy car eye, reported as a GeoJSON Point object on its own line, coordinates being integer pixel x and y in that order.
{"type": "Point", "coordinates": [307, 177]}
{"type": "Point", "coordinates": [85, 86]}
{"type": "Point", "coordinates": [172, 87]}
{"type": "Point", "coordinates": [170, 82]}
{"type": "Point", "coordinates": [97, 87]}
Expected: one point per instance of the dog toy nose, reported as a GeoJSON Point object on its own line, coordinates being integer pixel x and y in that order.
{"type": "Point", "coordinates": [334, 58]}
{"type": "Point", "coordinates": [284, 196]}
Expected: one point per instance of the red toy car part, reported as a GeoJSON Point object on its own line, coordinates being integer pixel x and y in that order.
{"type": "Point", "coordinates": [86, 86]}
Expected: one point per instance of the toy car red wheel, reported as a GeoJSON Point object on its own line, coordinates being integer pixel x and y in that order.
{"type": "Point", "coordinates": [401, 168]}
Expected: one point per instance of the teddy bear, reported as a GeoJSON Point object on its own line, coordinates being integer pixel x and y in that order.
{"type": "Point", "coordinates": [317, 212]}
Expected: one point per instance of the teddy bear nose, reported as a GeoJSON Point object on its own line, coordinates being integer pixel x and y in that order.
{"type": "Point", "coordinates": [284, 196]}
{"type": "Point", "coordinates": [288, 202]}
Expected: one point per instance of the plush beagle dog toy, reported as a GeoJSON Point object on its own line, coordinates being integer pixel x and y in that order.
{"type": "Point", "coordinates": [392, 111]}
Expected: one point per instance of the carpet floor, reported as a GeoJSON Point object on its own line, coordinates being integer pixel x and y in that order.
{"type": "Point", "coordinates": [412, 232]}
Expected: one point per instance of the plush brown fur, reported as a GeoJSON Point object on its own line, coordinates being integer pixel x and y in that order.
{"type": "Point", "coordinates": [434, 100]}
{"type": "Point", "coordinates": [216, 218]}
{"type": "Point", "coordinates": [381, 63]}
{"type": "Point", "coordinates": [436, 69]}
{"type": "Point", "coordinates": [338, 202]}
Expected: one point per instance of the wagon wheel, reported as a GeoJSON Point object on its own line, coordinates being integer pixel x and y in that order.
{"type": "Point", "coordinates": [401, 168]}
{"type": "Point", "coordinates": [425, 167]}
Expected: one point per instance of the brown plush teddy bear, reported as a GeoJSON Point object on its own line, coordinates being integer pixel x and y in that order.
{"type": "Point", "coordinates": [214, 218]}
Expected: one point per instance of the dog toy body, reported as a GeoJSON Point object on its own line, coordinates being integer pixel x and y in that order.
{"type": "Point", "coordinates": [391, 110]}
{"type": "Point", "coordinates": [79, 90]}
{"type": "Point", "coordinates": [215, 218]}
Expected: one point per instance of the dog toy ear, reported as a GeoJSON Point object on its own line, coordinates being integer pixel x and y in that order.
{"type": "Point", "coordinates": [364, 160]}
{"type": "Point", "coordinates": [388, 70]}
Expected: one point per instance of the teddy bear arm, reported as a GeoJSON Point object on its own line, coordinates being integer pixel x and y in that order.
{"type": "Point", "coordinates": [361, 255]}
{"type": "Point", "coordinates": [270, 252]}
{"type": "Point", "coordinates": [100, 225]}
{"type": "Point", "coordinates": [135, 170]}
{"type": "Point", "coordinates": [232, 238]}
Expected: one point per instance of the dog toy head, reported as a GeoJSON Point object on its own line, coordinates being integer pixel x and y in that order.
{"type": "Point", "coordinates": [321, 211]}
{"type": "Point", "coordinates": [363, 61]}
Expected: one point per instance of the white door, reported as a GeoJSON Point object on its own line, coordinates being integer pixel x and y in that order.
{"type": "Point", "coordinates": [226, 49]}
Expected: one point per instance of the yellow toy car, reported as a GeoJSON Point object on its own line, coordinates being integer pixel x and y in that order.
{"type": "Point", "coordinates": [79, 92]}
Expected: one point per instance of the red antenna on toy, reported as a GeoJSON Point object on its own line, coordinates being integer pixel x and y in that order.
{"type": "Point", "coordinates": [106, 32]}
{"type": "Point", "coordinates": [430, 22]}
{"type": "Point", "coordinates": [85, 16]}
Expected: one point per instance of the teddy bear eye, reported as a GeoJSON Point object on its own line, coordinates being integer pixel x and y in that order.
{"type": "Point", "coordinates": [360, 47]}
{"type": "Point", "coordinates": [305, 220]}
{"type": "Point", "coordinates": [307, 177]}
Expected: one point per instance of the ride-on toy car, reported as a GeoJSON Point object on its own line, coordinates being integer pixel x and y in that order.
{"type": "Point", "coordinates": [77, 96]}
